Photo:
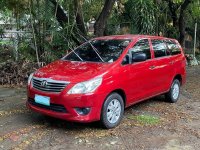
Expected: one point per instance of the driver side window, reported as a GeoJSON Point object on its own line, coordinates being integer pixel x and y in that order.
{"type": "Point", "coordinates": [142, 46]}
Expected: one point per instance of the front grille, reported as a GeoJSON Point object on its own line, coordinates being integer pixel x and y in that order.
{"type": "Point", "coordinates": [53, 107]}
{"type": "Point", "coordinates": [48, 85]}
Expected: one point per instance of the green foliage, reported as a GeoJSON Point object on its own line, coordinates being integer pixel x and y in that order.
{"type": "Point", "coordinates": [26, 51]}
{"type": "Point", "coordinates": [92, 8]}
{"type": "Point", "coordinates": [143, 15]}
{"type": "Point", "coordinates": [38, 18]}
{"type": "Point", "coordinates": [51, 39]}
{"type": "Point", "coordinates": [1, 32]}
{"type": "Point", "coordinates": [17, 6]}
{"type": "Point", "coordinates": [171, 32]}
{"type": "Point", "coordinates": [43, 33]}
{"type": "Point", "coordinates": [193, 16]}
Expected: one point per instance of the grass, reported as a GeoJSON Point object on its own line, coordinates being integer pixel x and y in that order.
{"type": "Point", "coordinates": [145, 119]}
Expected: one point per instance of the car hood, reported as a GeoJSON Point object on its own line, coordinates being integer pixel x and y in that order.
{"type": "Point", "coordinates": [72, 71]}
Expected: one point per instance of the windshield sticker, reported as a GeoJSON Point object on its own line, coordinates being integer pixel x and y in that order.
{"type": "Point", "coordinates": [110, 60]}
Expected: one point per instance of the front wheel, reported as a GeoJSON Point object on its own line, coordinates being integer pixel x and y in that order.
{"type": "Point", "coordinates": [112, 111]}
{"type": "Point", "coordinates": [173, 95]}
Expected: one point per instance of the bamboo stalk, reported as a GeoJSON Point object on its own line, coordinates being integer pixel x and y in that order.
{"type": "Point", "coordinates": [34, 37]}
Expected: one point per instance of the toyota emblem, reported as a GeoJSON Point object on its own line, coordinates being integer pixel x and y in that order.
{"type": "Point", "coordinates": [44, 83]}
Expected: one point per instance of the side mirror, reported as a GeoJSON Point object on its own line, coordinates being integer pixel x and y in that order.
{"type": "Point", "coordinates": [126, 60]}
{"type": "Point", "coordinates": [138, 57]}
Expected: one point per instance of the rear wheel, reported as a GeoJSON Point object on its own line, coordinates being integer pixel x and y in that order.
{"type": "Point", "coordinates": [173, 95]}
{"type": "Point", "coordinates": [112, 111]}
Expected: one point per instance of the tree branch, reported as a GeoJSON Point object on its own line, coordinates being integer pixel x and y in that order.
{"type": "Point", "coordinates": [61, 16]}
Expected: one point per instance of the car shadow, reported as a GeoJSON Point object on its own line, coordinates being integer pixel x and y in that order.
{"type": "Point", "coordinates": [55, 123]}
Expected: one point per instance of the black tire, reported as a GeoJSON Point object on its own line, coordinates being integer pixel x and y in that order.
{"type": "Point", "coordinates": [110, 100]}
{"type": "Point", "coordinates": [169, 95]}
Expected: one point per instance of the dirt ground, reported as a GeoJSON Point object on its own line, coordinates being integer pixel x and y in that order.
{"type": "Point", "coordinates": [152, 125]}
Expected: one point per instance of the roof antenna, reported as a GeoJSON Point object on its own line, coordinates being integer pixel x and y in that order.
{"type": "Point", "coordinates": [76, 54]}
{"type": "Point", "coordinates": [73, 51]}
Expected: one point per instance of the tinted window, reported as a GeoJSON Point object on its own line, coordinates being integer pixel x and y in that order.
{"type": "Point", "coordinates": [159, 48]}
{"type": "Point", "coordinates": [95, 50]}
{"type": "Point", "coordinates": [173, 47]}
{"type": "Point", "coordinates": [142, 46]}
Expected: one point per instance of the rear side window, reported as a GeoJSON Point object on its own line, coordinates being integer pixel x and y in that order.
{"type": "Point", "coordinates": [142, 46]}
{"type": "Point", "coordinates": [173, 47]}
{"type": "Point", "coordinates": [159, 47]}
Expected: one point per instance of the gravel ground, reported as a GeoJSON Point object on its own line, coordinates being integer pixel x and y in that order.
{"type": "Point", "coordinates": [152, 125]}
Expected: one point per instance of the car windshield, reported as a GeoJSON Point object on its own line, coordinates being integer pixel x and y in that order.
{"type": "Point", "coordinates": [99, 50]}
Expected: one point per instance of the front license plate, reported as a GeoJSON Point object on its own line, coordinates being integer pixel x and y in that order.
{"type": "Point", "coordinates": [42, 100]}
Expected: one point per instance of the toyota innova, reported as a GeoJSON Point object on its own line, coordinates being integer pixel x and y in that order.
{"type": "Point", "coordinates": [100, 78]}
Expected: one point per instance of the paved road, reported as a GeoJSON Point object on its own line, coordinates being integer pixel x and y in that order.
{"type": "Point", "coordinates": [153, 124]}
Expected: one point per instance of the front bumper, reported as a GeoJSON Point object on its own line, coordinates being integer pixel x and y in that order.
{"type": "Point", "coordinates": [63, 105]}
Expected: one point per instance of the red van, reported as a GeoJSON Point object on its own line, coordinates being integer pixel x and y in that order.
{"type": "Point", "coordinates": [100, 78]}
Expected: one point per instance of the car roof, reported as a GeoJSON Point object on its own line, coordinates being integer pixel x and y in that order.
{"type": "Point", "coordinates": [130, 36]}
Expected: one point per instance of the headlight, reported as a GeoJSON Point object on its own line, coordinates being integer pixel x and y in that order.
{"type": "Point", "coordinates": [86, 87]}
{"type": "Point", "coordinates": [30, 78]}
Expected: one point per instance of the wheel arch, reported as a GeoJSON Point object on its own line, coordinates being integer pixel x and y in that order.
{"type": "Point", "coordinates": [179, 77]}
{"type": "Point", "coordinates": [121, 93]}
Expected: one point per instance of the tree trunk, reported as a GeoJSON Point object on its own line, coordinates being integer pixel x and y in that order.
{"type": "Point", "coordinates": [182, 22]}
{"type": "Point", "coordinates": [60, 14]}
{"type": "Point", "coordinates": [173, 8]}
{"type": "Point", "coordinates": [62, 18]}
{"type": "Point", "coordinates": [181, 30]}
{"type": "Point", "coordinates": [100, 24]}
{"type": "Point", "coordinates": [79, 16]}
{"type": "Point", "coordinates": [179, 22]}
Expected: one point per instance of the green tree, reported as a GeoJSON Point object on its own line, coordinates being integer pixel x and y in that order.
{"type": "Point", "coordinates": [178, 9]}
{"type": "Point", "coordinates": [142, 15]}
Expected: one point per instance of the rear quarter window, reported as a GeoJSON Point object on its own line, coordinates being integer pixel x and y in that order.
{"type": "Point", "coordinates": [173, 47]}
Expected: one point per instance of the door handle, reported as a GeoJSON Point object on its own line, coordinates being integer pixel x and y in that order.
{"type": "Point", "coordinates": [152, 67]}
{"type": "Point", "coordinates": [171, 62]}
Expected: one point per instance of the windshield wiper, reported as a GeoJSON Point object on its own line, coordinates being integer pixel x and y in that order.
{"type": "Point", "coordinates": [94, 48]}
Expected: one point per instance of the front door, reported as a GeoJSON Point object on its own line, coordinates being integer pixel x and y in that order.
{"type": "Point", "coordinates": [137, 81]}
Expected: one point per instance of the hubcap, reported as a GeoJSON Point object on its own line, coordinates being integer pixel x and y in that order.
{"type": "Point", "coordinates": [175, 91]}
{"type": "Point", "coordinates": [113, 111]}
